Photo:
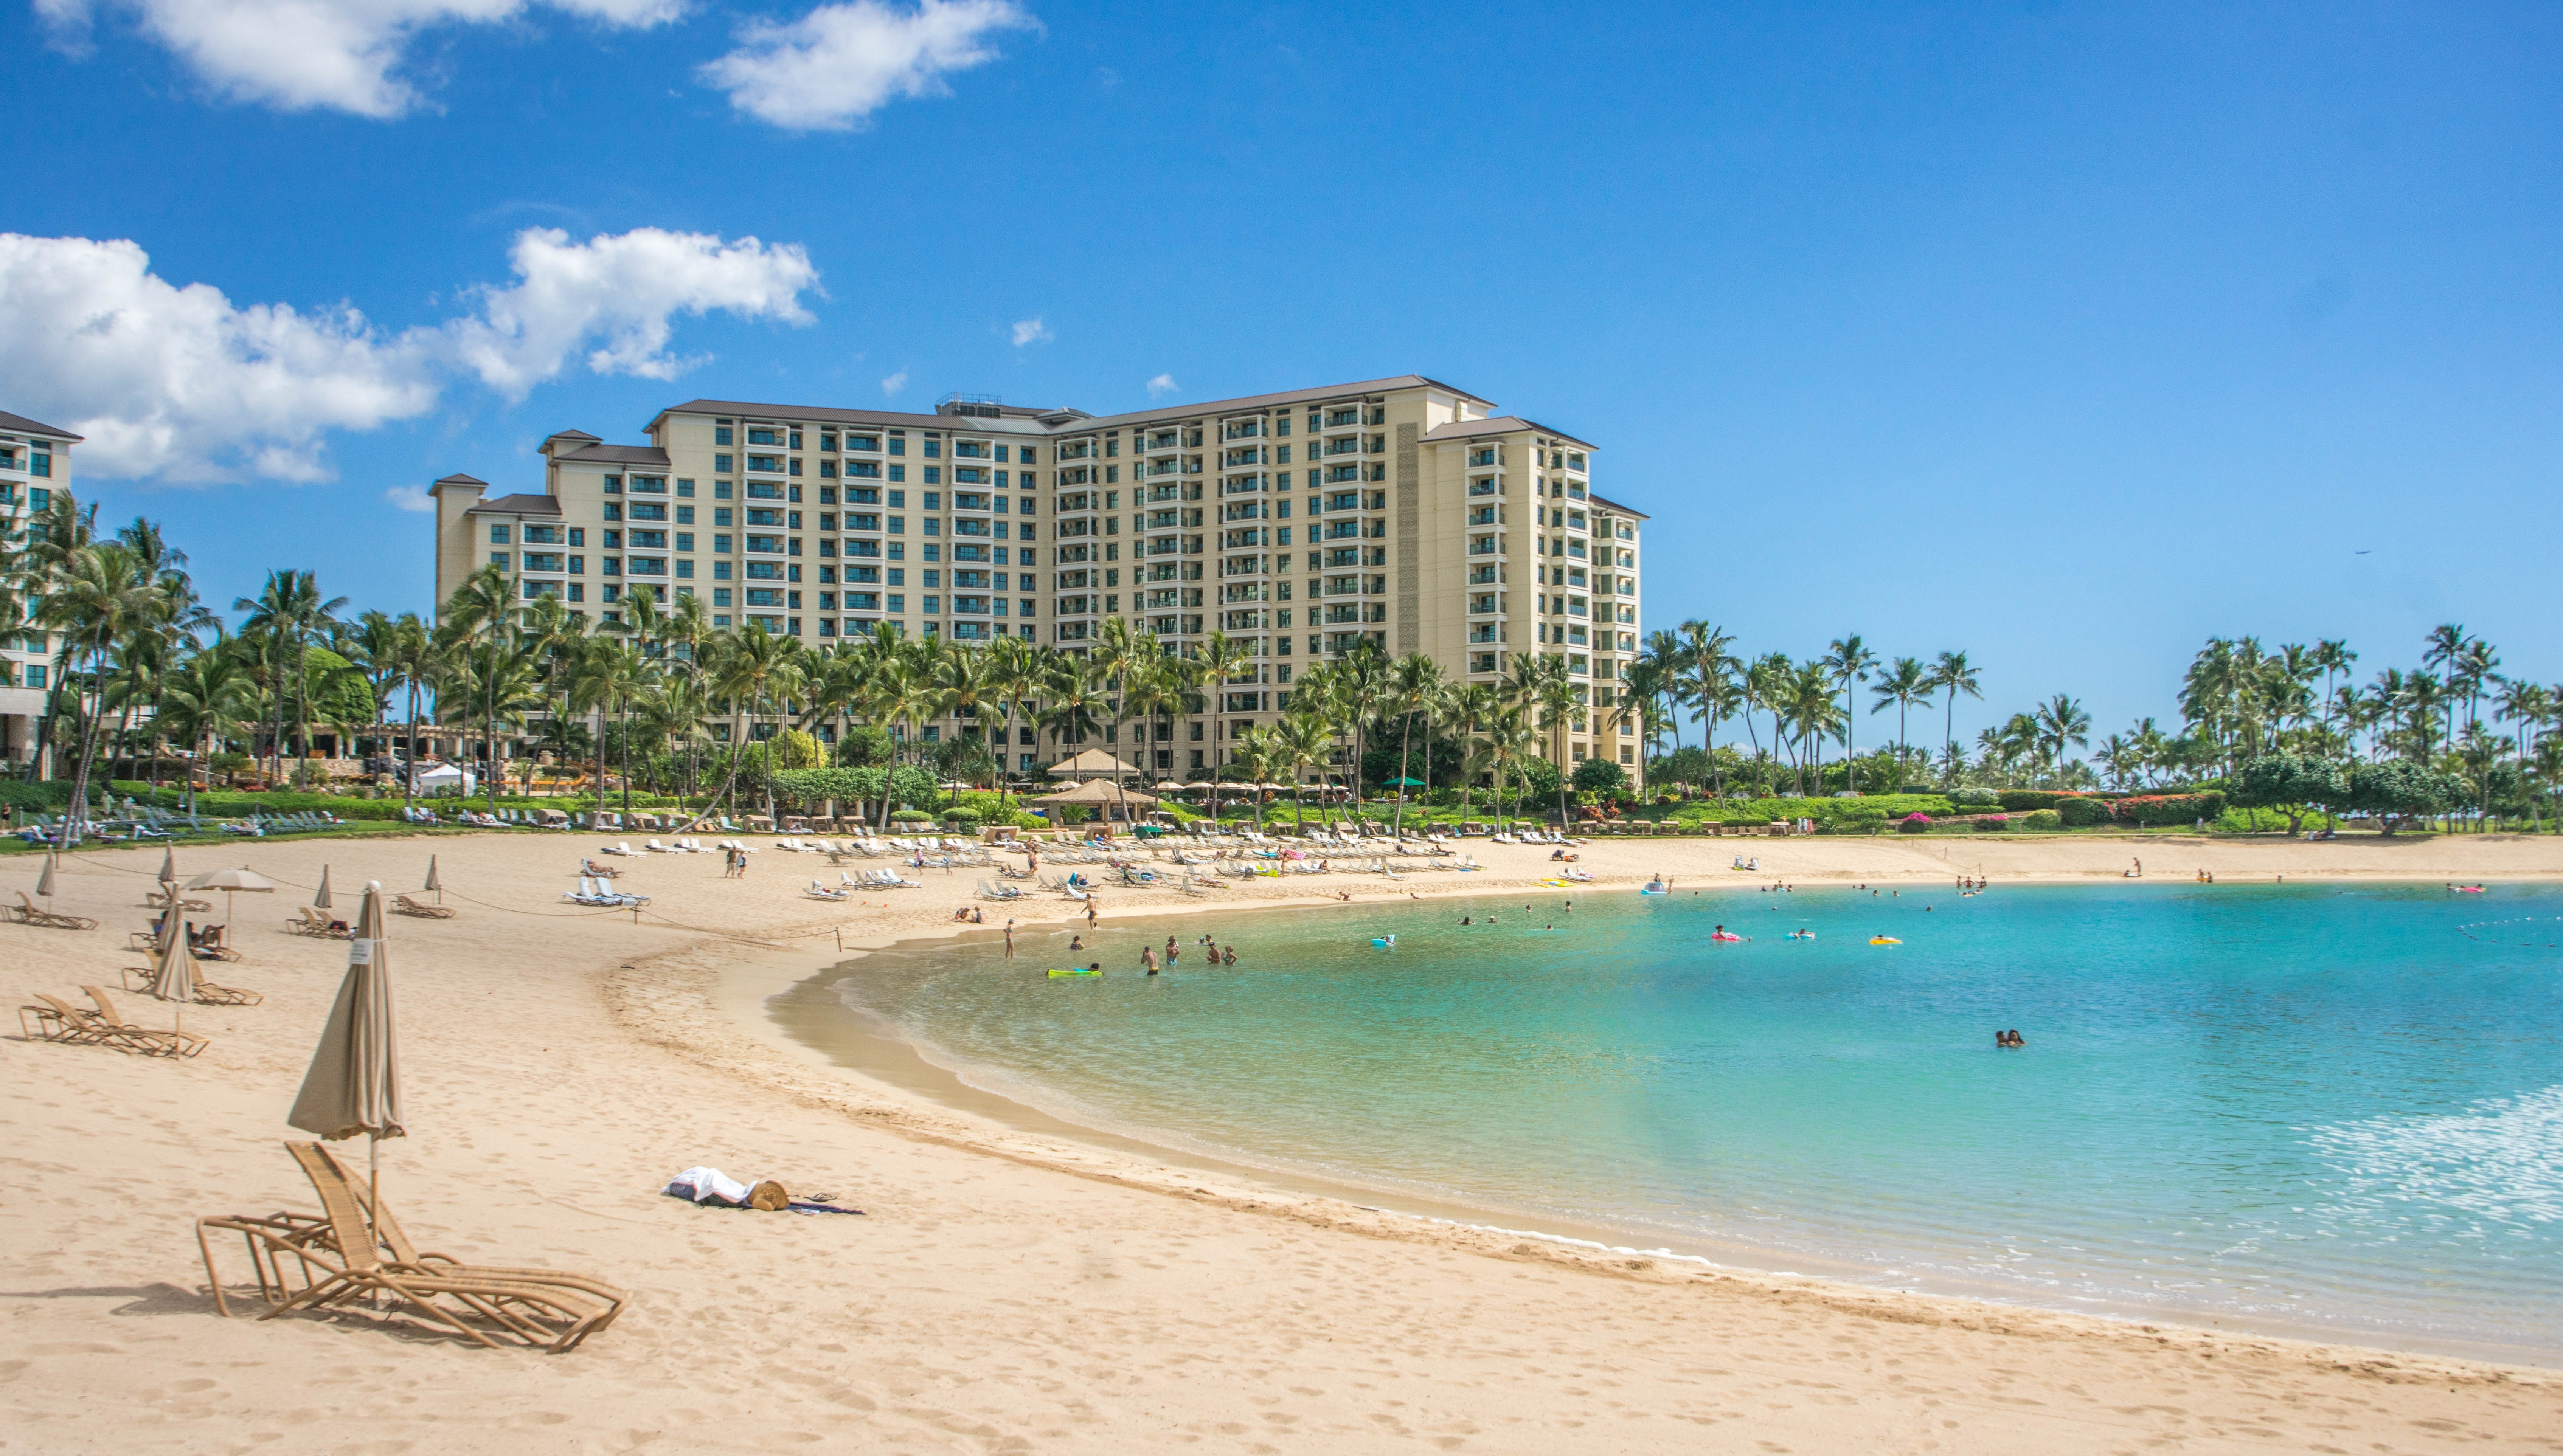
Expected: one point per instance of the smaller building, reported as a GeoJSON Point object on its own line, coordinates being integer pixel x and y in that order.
{"type": "Point", "coordinates": [35, 462]}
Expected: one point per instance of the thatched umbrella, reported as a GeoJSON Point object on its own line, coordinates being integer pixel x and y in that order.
{"type": "Point", "coordinates": [320, 900]}
{"type": "Point", "coordinates": [353, 1086]}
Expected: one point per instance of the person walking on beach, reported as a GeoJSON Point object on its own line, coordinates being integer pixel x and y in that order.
{"type": "Point", "coordinates": [1090, 913]}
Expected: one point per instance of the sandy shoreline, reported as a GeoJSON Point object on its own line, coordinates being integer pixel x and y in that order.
{"type": "Point", "coordinates": [1008, 1289]}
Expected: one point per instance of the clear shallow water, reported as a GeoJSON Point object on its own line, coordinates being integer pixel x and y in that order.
{"type": "Point", "coordinates": [2280, 1107]}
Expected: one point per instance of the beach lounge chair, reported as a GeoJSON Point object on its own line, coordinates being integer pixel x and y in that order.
{"type": "Point", "coordinates": [57, 1019]}
{"type": "Point", "coordinates": [357, 1247]}
{"type": "Point", "coordinates": [31, 913]}
{"type": "Point", "coordinates": [590, 866]}
{"type": "Point", "coordinates": [139, 1037]}
{"type": "Point", "coordinates": [311, 922]}
{"type": "Point", "coordinates": [404, 905]}
{"type": "Point", "coordinates": [818, 891]}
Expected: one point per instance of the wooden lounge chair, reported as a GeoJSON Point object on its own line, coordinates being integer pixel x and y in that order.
{"type": "Point", "coordinates": [404, 905]}
{"type": "Point", "coordinates": [138, 1038]}
{"type": "Point", "coordinates": [356, 1247]}
{"type": "Point", "coordinates": [311, 922]}
{"type": "Point", "coordinates": [31, 913]}
{"type": "Point", "coordinates": [57, 1019]}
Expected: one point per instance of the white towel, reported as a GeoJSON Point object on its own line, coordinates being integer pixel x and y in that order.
{"type": "Point", "coordinates": [708, 1185]}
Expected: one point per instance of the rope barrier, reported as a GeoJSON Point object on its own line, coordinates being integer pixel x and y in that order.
{"type": "Point", "coordinates": [2467, 931]}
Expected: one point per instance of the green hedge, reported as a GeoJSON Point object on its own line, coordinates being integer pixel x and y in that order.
{"type": "Point", "coordinates": [1878, 807]}
{"type": "Point", "coordinates": [2083, 812]}
{"type": "Point", "coordinates": [2041, 818]}
{"type": "Point", "coordinates": [2169, 809]}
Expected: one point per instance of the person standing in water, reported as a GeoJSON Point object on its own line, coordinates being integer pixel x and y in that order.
{"type": "Point", "coordinates": [1148, 959]}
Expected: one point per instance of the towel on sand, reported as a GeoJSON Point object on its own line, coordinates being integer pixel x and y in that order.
{"type": "Point", "coordinates": [711, 1186]}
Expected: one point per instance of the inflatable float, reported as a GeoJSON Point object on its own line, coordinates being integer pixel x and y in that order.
{"type": "Point", "coordinates": [1884, 940]}
{"type": "Point", "coordinates": [1076, 973]}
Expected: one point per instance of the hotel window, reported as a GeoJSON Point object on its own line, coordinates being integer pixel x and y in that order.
{"type": "Point", "coordinates": [613, 484]}
{"type": "Point", "coordinates": [721, 434]}
{"type": "Point", "coordinates": [499, 559]}
{"type": "Point", "coordinates": [613, 512]}
{"type": "Point", "coordinates": [684, 488]}
{"type": "Point", "coordinates": [498, 536]}
{"type": "Point", "coordinates": [577, 564]}
{"type": "Point", "coordinates": [684, 569]}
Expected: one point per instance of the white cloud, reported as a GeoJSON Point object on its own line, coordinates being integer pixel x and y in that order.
{"type": "Point", "coordinates": [895, 383]}
{"type": "Point", "coordinates": [1162, 386]}
{"type": "Point", "coordinates": [410, 497]}
{"type": "Point", "coordinates": [178, 383]}
{"type": "Point", "coordinates": [623, 288]}
{"type": "Point", "coordinates": [836, 66]}
{"type": "Point", "coordinates": [335, 55]}
{"type": "Point", "coordinates": [1031, 331]}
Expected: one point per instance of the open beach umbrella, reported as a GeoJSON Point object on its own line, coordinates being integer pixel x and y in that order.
{"type": "Point", "coordinates": [433, 883]}
{"type": "Point", "coordinates": [353, 1086]}
{"type": "Point", "coordinates": [169, 866]}
{"type": "Point", "coordinates": [45, 882]}
{"type": "Point", "coordinates": [232, 882]}
{"type": "Point", "coordinates": [321, 901]}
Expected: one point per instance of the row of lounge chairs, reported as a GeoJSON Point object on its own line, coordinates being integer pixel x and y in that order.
{"type": "Point", "coordinates": [28, 912]}
{"type": "Point", "coordinates": [54, 1020]}
{"type": "Point", "coordinates": [593, 891]}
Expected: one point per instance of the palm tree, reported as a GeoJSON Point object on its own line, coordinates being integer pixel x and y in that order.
{"type": "Point", "coordinates": [1848, 659]}
{"type": "Point", "coordinates": [1906, 682]}
{"type": "Point", "coordinates": [2332, 658]}
{"type": "Point", "coordinates": [1414, 682]}
{"type": "Point", "coordinates": [97, 598]}
{"type": "Point", "coordinates": [1510, 744]}
{"type": "Point", "coordinates": [1708, 675]}
{"type": "Point", "coordinates": [289, 611]}
{"type": "Point", "coordinates": [476, 615]}
{"type": "Point", "coordinates": [205, 699]}
{"type": "Point", "coordinates": [1953, 675]}
{"type": "Point", "coordinates": [1301, 740]}
{"type": "Point", "coordinates": [2062, 723]}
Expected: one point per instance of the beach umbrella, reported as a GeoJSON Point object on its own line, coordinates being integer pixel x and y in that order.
{"type": "Point", "coordinates": [232, 882]}
{"type": "Point", "coordinates": [433, 883]}
{"type": "Point", "coordinates": [173, 967]}
{"type": "Point", "coordinates": [45, 882]}
{"type": "Point", "coordinates": [169, 866]}
{"type": "Point", "coordinates": [353, 1086]}
{"type": "Point", "coordinates": [321, 901]}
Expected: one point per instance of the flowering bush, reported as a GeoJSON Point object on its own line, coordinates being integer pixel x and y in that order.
{"type": "Point", "coordinates": [1916, 823]}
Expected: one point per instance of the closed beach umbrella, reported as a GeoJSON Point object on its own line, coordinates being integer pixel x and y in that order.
{"type": "Point", "coordinates": [169, 866]}
{"type": "Point", "coordinates": [173, 967]}
{"type": "Point", "coordinates": [353, 1086]}
{"type": "Point", "coordinates": [321, 901]}
{"type": "Point", "coordinates": [433, 883]}
{"type": "Point", "coordinates": [232, 882]}
{"type": "Point", "coordinates": [45, 882]}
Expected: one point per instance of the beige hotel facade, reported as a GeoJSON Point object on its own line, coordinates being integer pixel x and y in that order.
{"type": "Point", "coordinates": [1401, 511]}
{"type": "Point", "coordinates": [35, 462]}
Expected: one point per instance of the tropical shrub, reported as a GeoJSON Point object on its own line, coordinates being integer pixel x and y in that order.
{"type": "Point", "coordinates": [2296, 785]}
{"type": "Point", "coordinates": [1600, 777]}
{"type": "Point", "coordinates": [2082, 811]}
{"type": "Point", "coordinates": [2399, 792]}
{"type": "Point", "coordinates": [1975, 798]}
{"type": "Point", "coordinates": [1915, 824]}
{"type": "Point", "coordinates": [863, 748]}
{"type": "Point", "coordinates": [1994, 821]}
{"type": "Point", "coordinates": [1822, 810]}
{"type": "Point", "coordinates": [2022, 801]}
{"type": "Point", "coordinates": [2168, 808]}
{"type": "Point", "coordinates": [797, 751]}
{"type": "Point", "coordinates": [2041, 818]}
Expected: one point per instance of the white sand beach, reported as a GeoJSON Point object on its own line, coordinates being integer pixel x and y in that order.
{"type": "Point", "coordinates": [1006, 1289]}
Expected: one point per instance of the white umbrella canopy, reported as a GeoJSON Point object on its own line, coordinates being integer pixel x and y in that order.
{"type": "Point", "coordinates": [353, 1086]}
{"type": "Point", "coordinates": [232, 882]}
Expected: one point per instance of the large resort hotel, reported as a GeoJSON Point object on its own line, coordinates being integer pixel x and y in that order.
{"type": "Point", "coordinates": [35, 462]}
{"type": "Point", "coordinates": [1401, 511]}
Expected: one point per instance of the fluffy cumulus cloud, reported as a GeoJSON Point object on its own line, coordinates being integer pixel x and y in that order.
{"type": "Point", "coordinates": [410, 497]}
{"type": "Point", "coordinates": [336, 54]}
{"type": "Point", "coordinates": [893, 385]}
{"type": "Point", "coordinates": [176, 382]}
{"type": "Point", "coordinates": [621, 290]}
{"type": "Point", "coordinates": [1030, 331]}
{"type": "Point", "coordinates": [1162, 386]}
{"type": "Point", "coordinates": [836, 66]}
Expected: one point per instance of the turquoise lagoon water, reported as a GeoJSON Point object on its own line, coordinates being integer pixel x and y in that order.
{"type": "Point", "coordinates": [2297, 1109]}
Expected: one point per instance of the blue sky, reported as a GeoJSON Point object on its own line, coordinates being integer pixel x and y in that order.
{"type": "Point", "coordinates": [2066, 334]}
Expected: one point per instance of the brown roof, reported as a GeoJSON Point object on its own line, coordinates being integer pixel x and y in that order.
{"type": "Point", "coordinates": [1499, 425]}
{"type": "Point", "coordinates": [1617, 508]}
{"type": "Point", "coordinates": [1059, 422]}
{"type": "Point", "coordinates": [1095, 791]}
{"type": "Point", "coordinates": [20, 423]}
{"type": "Point", "coordinates": [459, 478]}
{"type": "Point", "coordinates": [517, 505]}
{"type": "Point", "coordinates": [616, 455]}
